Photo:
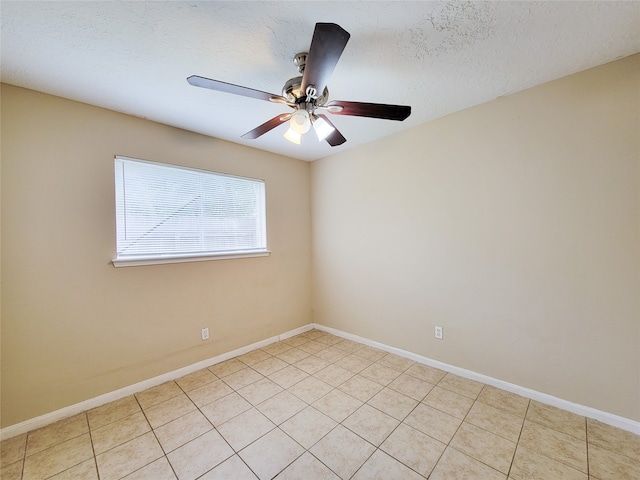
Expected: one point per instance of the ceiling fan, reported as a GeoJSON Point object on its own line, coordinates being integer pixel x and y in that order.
{"type": "Point", "coordinates": [308, 92]}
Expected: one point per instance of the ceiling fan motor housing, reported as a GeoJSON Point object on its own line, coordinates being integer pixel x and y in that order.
{"type": "Point", "coordinates": [292, 89]}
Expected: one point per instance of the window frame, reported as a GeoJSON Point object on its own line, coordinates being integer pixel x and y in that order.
{"type": "Point", "coordinates": [167, 258]}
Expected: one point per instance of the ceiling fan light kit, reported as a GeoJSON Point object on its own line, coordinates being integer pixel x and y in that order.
{"type": "Point", "coordinates": [302, 93]}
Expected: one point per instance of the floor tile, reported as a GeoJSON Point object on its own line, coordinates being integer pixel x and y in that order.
{"type": "Point", "coordinates": [370, 353]}
{"type": "Point", "coordinates": [293, 355]}
{"type": "Point", "coordinates": [157, 470]}
{"type": "Point", "coordinates": [112, 412]}
{"type": "Point", "coordinates": [396, 362]}
{"type": "Point", "coordinates": [360, 387]}
{"type": "Point", "coordinates": [244, 429]}
{"type": "Point", "coordinates": [269, 366]}
{"type": "Point", "coordinates": [83, 471]}
{"type": "Point", "coordinates": [328, 339]}
{"type": "Point", "coordinates": [210, 392]}
{"type": "Point", "coordinates": [332, 354]}
{"type": "Point", "coordinates": [426, 373]}
{"type": "Point", "coordinates": [253, 357]}
{"type": "Point", "coordinates": [200, 455]}
{"type": "Point", "coordinates": [411, 386]}
{"type": "Point", "coordinates": [379, 373]}
{"type": "Point", "coordinates": [312, 347]}
{"type": "Point", "coordinates": [259, 391]}
{"type": "Point", "coordinates": [415, 449]}
{"type": "Point", "coordinates": [434, 423]}
{"type": "Point", "coordinates": [312, 364]}
{"type": "Point", "coordinates": [337, 405]}
{"type": "Point", "coordinates": [296, 341]}
{"type": "Point", "coordinates": [58, 458]}
{"type": "Point", "coordinates": [182, 430]}
{"type": "Point", "coordinates": [310, 389]}
{"type": "Point", "coordinates": [169, 410]}
{"type": "Point", "coordinates": [277, 348]}
{"type": "Point", "coordinates": [225, 408]}
{"type": "Point", "coordinates": [270, 454]}
{"type": "Point", "coordinates": [529, 465]}
{"type": "Point", "coordinates": [495, 420]}
{"type": "Point", "coordinates": [308, 426]}
{"type": "Point", "coordinates": [196, 379]}
{"type": "Point", "coordinates": [128, 457]}
{"type": "Point", "coordinates": [463, 386]}
{"type": "Point", "coordinates": [381, 466]}
{"type": "Point", "coordinates": [242, 378]}
{"type": "Point", "coordinates": [281, 407]}
{"type": "Point", "coordinates": [354, 363]}
{"type": "Point", "coordinates": [561, 420]}
{"type": "Point", "coordinates": [559, 446]}
{"type": "Point", "coordinates": [288, 376]}
{"type": "Point", "coordinates": [504, 400]}
{"type": "Point", "coordinates": [487, 447]}
{"type": "Point", "coordinates": [307, 467]}
{"type": "Point", "coordinates": [393, 403]}
{"type": "Point", "coordinates": [153, 396]}
{"type": "Point", "coordinates": [227, 367]}
{"type": "Point", "coordinates": [454, 465]}
{"type": "Point", "coordinates": [56, 433]}
{"type": "Point", "coordinates": [609, 465]}
{"type": "Point", "coordinates": [12, 471]}
{"type": "Point", "coordinates": [348, 346]}
{"type": "Point", "coordinates": [371, 424]}
{"type": "Point", "coordinates": [449, 402]}
{"type": "Point", "coordinates": [342, 451]}
{"type": "Point", "coordinates": [614, 439]}
{"type": "Point", "coordinates": [313, 334]}
{"type": "Point", "coordinates": [117, 433]}
{"type": "Point", "coordinates": [232, 468]}
{"type": "Point", "coordinates": [13, 449]}
{"type": "Point", "coordinates": [333, 375]}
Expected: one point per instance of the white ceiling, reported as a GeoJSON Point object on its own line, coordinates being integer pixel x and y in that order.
{"type": "Point", "coordinates": [438, 57]}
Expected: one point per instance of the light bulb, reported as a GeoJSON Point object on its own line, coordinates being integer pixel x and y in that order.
{"type": "Point", "coordinates": [322, 128]}
{"type": "Point", "coordinates": [300, 121]}
{"type": "Point", "coordinates": [293, 136]}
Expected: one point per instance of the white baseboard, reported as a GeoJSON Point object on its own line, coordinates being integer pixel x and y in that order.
{"type": "Point", "coordinates": [43, 420]}
{"type": "Point", "coordinates": [71, 410]}
{"type": "Point", "coordinates": [604, 417]}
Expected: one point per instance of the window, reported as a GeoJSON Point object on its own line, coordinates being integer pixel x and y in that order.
{"type": "Point", "coordinates": [166, 213]}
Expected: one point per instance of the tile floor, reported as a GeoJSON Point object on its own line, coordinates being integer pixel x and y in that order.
{"type": "Point", "coordinates": [316, 407]}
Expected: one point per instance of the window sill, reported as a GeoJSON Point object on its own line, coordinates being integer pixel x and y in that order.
{"type": "Point", "coordinates": [139, 261]}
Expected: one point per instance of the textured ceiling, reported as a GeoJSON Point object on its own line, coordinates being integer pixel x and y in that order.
{"type": "Point", "coordinates": [438, 57]}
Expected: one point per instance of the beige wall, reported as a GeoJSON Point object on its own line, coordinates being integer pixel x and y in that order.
{"type": "Point", "coordinates": [73, 326]}
{"type": "Point", "coordinates": [515, 225]}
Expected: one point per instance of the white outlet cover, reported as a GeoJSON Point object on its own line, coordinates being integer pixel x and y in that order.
{"type": "Point", "coordinates": [205, 334]}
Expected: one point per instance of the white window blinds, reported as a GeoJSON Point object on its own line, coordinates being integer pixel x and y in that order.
{"type": "Point", "coordinates": [164, 211]}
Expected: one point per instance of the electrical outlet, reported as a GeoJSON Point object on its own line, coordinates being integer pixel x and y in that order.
{"type": "Point", "coordinates": [439, 333]}
{"type": "Point", "coordinates": [205, 334]}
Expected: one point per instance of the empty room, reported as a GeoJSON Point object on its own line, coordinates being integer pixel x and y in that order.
{"type": "Point", "coordinates": [320, 240]}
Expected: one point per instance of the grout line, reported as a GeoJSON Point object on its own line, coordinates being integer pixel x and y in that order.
{"type": "Point", "coordinates": [519, 436]}
{"type": "Point", "coordinates": [586, 438]}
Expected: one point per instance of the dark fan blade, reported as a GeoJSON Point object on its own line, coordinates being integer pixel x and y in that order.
{"type": "Point", "coordinates": [373, 110]}
{"type": "Point", "coordinates": [327, 45]}
{"type": "Point", "coordinates": [335, 138]}
{"type": "Point", "coordinates": [219, 86]}
{"type": "Point", "coordinates": [266, 126]}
